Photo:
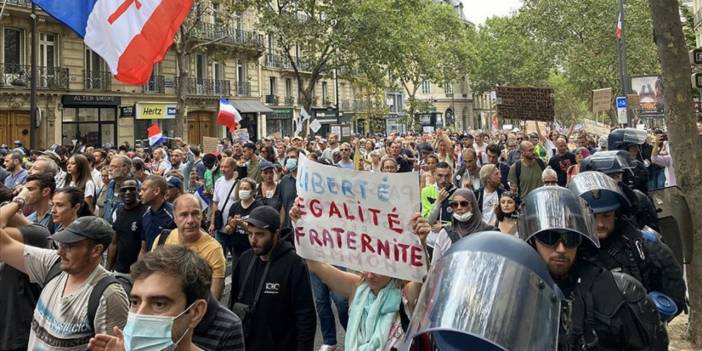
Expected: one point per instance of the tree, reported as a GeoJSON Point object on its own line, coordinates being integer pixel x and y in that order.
{"type": "Point", "coordinates": [686, 152]}
{"type": "Point", "coordinates": [505, 54]}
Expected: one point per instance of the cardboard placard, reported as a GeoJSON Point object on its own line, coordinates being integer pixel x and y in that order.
{"type": "Point", "coordinates": [209, 144]}
{"type": "Point", "coordinates": [359, 220]}
{"type": "Point", "coordinates": [601, 100]}
{"type": "Point", "coordinates": [535, 104]}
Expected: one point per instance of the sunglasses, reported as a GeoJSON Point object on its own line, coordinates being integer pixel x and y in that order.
{"type": "Point", "coordinates": [131, 188]}
{"type": "Point", "coordinates": [551, 239]}
{"type": "Point", "coordinates": [463, 204]}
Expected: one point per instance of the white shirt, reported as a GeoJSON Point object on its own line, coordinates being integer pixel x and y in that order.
{"type": "Point", "coordinates": [221, 190]}
{"type": "Point", "coordinates": [489, 202]}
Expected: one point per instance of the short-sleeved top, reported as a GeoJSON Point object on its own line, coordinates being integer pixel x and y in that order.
{"type": "Point", "coordinates": [222, 188]}
{"type": "Point", "coordinates": [243, 213]}
{"type": "Point", "coordinates": [207, 247]}
{"type": "Point", "coordinates": [155, 221]}
{"type": "Point", "coordinates": [89, 189]}
{"type": "Point", "coordinates": [60, 322]}
{"type": "Point", "coordinates": [14, 180]}
{"type": "Point", "coordinates": [18, 296]}
{"type": "Point", "coordinates": [529, 177]}
{"type": "Point", "coordinates": [129, 229]}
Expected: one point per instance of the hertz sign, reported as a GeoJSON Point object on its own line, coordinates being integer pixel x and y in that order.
{"type": "Point", "coordinates": [147, 110]}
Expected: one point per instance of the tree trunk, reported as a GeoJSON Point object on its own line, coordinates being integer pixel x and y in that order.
{"type": "Point", "coordinates": [687, 153]}
{"type": "Point", "coordinates": [182, 87]}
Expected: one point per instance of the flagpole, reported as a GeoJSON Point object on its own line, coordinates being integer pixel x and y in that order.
{"type": "Point", "coordinates": [623, 68]}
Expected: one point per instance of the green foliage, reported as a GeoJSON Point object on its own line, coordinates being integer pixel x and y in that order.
{"type": "Point", "coordinates": [688, 23]}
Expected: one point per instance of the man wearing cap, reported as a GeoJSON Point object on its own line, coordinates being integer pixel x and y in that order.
{"type": "Point", "coordinates": [188, 214]}
{"type": "Point", "coordinates": [159, 214]}
{"type": "Point", "coordinates": [13, 163]}
{"type": "Point", "coordinates": [175, 188]}
{"type": "Point", "coordinates": [283, 316]}
{"type": "Point", "coordinates": [60, 319]}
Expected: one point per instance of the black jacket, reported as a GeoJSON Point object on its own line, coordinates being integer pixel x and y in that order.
{"type": "Point", "coordinates": [285, 317]}
{"type": "Point", "coordinates": [479, 195]}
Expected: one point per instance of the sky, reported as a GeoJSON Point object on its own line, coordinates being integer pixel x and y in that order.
{"type": "Point", "coordinates": [477, 11]}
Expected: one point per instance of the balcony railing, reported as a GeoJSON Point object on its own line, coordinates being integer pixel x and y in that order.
{"type": "Point", "coordinates": [207, 87]}
{"type": "Point", "coordinates": [229, 35]}
{"type": "Point", "coordinates": [243, 88]}
{"type": "Point", "coordinates": [157, 84]}
{"type": "Point", "coordinates": [20, 3]}
{"type": "Point", "coordinates": [289, 100]}
{"type": "Point", "coordinates": [277, 61]}
{"type": "Point", "coordinates": [97, 80]}
{"type": "Point", "coordinates": [272, 100]}
{"type": "Point", "coordinates": [19, 76]}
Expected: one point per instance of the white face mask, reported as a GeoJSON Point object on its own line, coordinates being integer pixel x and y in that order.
{"type": "Point", "coordinates": [463, 217]}
{"type": "Point", "coordinates": [244, 194]}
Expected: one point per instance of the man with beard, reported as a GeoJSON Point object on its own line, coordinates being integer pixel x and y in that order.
{"type": "Point", "coordinates": [120, 166]}
{"type": "Point", "coordinates": [559, 226]}
{"type": "Point", "coordinates": [396, 153]}
{"type": "Point", "coordinates": [159, 213]}
{"type": "Point", "coordinates": [183, 160]}
{"type": "Point", "coordinates": [13, 164]}
{"type": "Point", "coordinates": [561, 161]}
{"type": "Point", "coordinates": [525, 174]}
{"type": "Point", "coordinates": [128, 241]}
{"type": "Point", "coordinates": [272, 282]}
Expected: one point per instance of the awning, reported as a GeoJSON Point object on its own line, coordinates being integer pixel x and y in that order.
{"type": "Point", "coordinates": [250, 106]}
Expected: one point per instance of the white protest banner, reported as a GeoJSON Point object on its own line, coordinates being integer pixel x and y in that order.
{"type": "Point", "coordinates": [359, 220]}
{"type": "Point", "coordinates": [315, 125]}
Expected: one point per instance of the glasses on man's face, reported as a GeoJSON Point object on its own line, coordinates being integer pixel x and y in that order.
{"type": "Point", "coordinates": [551, 239]}
{"type": "Point", "coordinates": [129, 188]}
{"type": "Point", "coordinates": [456, 204]}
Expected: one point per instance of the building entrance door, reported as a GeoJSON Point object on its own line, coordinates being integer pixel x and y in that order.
{"type": "Point", "coordinates": [199, 125]}
{"type": "Point", "coordinates": [14, 125]}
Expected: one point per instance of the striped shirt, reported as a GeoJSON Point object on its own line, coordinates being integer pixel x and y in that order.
{"type": "Point", "coordinates": [219, 330]}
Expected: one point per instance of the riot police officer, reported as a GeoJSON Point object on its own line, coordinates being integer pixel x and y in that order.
{"type": "Point", "coordinates": [602, 310]}
{"type": "Point", "coordinates": [633, 141]}
{"type": "Point", "coordinates": [617, 165]}
{"type": "Point", "coordinates": [624, 247]}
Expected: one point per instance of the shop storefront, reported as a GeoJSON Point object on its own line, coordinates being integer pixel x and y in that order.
{"type": "Point", "coordinates": [251, 117]}
{"type": "Point", "coordinates": [89, 119]}
{"type": "Point", "coordinates": [148, 113]}
{"type": "Point", "coordinates": [280, 121]}
{"type": "Point", "coordinates": [327, 117]}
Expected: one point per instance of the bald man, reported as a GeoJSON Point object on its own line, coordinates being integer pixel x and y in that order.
{"type": "Point", "coordinates": [525, 175]}
{"type": "Point", "coordinates": [188, 215]}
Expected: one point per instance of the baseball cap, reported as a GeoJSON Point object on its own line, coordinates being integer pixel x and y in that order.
{"type": "Point", "coordinates": [266, 165]}
{"type": "Point", "coordinates": [175, 182]}
{"type": "Point", "coordinates": [88, 227]}
{"type": "Point", "coordinates": [264, 217]}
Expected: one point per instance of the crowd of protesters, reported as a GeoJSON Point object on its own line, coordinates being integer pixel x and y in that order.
{"type": "Point", "coordinates": [77, 219]}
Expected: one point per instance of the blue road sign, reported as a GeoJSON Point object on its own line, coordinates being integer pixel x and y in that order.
{"type": "Point", "coordinates": [621, 103]}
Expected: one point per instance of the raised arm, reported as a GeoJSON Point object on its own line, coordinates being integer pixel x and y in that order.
{"type": "Point", "coordinates": [343, 283]}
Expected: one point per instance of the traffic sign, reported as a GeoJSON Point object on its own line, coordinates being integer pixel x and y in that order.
{"type": "Point", "coordinates": [697, 80]}
{"type": "Point", "coordinates": [696, 56]}
{"type": "Point", "coordinates": [621, 103]}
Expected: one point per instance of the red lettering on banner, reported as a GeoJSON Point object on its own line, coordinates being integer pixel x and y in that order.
{"type": "Point", "coordinates": [314, 238]}
{"type": "Point", "coordinates": [393, 220]}
{"type": "Point", "coordinates": [374, 212]}
{"type": "Point", "coordinates": [348, 215]}
{"type": "Point", "coordinates": [326, 235]}
{"type": "Point", "coordinates": [315, 208]}
{"type": "Point", "coordinates": [334, 210]}
{"type": "Point", "coordinates": [338, 232]}
{"type": "Point", "coordinates": [403, 248]}
{"type": "Point", "coordinates": [366, 243]}
{"type": "Point", "coordinates": [299, 233]}
{"type": "Point", "coordinates": [416, 257]}
{"type": "Point", "coordinates": [351, 240]}
{"type": "Point", "coordinates": [384, 248]}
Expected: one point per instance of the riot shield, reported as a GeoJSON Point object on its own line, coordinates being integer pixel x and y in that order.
{"type": "Point", "coordinates": [675, 221]}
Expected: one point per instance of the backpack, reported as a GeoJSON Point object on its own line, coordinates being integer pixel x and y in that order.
{"type": "Point", "coordinates": [98, 289]}
{"type": "Point", "coordinates": [518, 171]}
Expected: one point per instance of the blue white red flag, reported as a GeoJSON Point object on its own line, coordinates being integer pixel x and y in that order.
{"type": "Point", "coordinates": [130, 35]}
{"type": "Point", "coordinates": [204, 200]}
{"type": "Point", "coordinates": [155, 135]}
{"type": "Point", "coordinates": [228, 115]}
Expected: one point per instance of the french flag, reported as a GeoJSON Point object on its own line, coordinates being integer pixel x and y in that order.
{"type": "Point", "coordinates": [228, 115]}
{"type": "Point", "coordinates": [619, 32]}
{"type": "Point", "coordinates": [130, 35]}
{"type": "Point", "coordinates": [155, 135]}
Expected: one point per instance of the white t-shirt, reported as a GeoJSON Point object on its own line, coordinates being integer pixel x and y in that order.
{"type": "Point", "coordinates": [490, 200]}
{"type": "Point", "coordinates": [89, 189]}
{"type": "Point", "coordinates": [60, 322]}
{"type": "Point", "coordinates": [97, 178]}
{"type": "Point", "coordinates": [221, 190]}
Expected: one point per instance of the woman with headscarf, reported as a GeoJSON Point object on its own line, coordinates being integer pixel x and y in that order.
{"type": "Point", "coordinates": [465, 220]}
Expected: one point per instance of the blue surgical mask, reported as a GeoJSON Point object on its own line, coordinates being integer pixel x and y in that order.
{"type": "Point", "coordinates": [150, 333]}
{"type": "Point", "coordinates": [291, 164]}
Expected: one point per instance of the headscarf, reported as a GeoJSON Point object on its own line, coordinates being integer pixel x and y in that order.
{"type": "Point", "coordinates": [475, 223]}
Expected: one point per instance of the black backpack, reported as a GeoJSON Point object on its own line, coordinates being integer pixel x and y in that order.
{"type": "Point", "coordinates": [518, 171]}
{"type": "Point", "coordinates": [98, 289]}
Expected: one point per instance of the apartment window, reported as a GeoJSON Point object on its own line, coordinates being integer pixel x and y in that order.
{"type": "Point", "coordinates": [242, 83]}
{"type": "Point", "coordinates": [272, 86]}
{"type": "Point", "coordinates": [13, 50]}
{"type": "Point", "coordinates": [154, 84]}
{"type": "Point", "coordinates": [426, 87]}
{"type": "Point", "coordinates": [218, 78]}
{"type": "Point", "coordinates": [270, 43]}
{"type": "Point", "coordinates": [448, 88]}
{"type": "Point", "coordinates": [200, 67]}
{"type": "Point", "coordinates": [96, 75]}
{"type": "Point", "coordinates": [324, 92]}
{"type": "Point", "coordinates": [47, 50]}
{"type": "Point", "coordinates": [288, 87]}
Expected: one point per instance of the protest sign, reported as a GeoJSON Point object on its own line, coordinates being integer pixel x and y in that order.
{"type": "Point", "coordinates": [315, 125]}
{"type": "Point", "coordinates": [359, 220]}
{"type": "Point", "coordinates": [601, 100]}
{"type": "Point", "coordinates": [209, 144]}
{"type": "Point", "coordinates": [241, 135]}
{"type": "Point", "coordinates": [535, 104]}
